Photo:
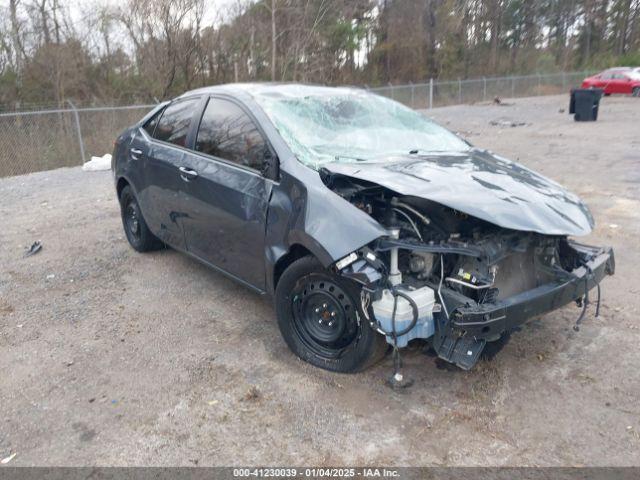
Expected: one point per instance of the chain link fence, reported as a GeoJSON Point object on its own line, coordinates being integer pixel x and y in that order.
{"type": "Point", "coordinates": [37, 140]}
{"type": "Point", "coordinates": [455, 92]}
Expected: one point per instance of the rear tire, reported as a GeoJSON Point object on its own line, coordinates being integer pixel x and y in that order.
{"type": "Point", "coordinates": [135, 227]}
{"type": "Point", "coordinates": [636, 92]}
{"type": "Point", "coordinates": [320, 318]}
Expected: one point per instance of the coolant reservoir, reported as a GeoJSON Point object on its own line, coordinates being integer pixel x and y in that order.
{"type": "Point", "coordinates": [424, 328]}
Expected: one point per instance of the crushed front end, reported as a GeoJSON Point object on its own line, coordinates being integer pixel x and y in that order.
{"type": "Point", "coordinates": [458, 281]}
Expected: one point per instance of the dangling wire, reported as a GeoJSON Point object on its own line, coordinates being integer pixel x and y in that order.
{"type": "Point", "coordinates": [398, 380]}
{"type": "Point", "coordinates": [585, 298]}
{"type": "Point", "coordinates": [444, 306]}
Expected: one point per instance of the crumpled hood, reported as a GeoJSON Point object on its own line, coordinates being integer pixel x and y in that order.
{"type": "Point", "coordinates": [480, 184]}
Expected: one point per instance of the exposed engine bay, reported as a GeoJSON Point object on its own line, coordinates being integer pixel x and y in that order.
{"type": "Point", "coordinates": [456, 280]}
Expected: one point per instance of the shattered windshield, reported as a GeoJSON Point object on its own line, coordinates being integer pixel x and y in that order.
{"type": "Point", "coordinates": [323, 125]}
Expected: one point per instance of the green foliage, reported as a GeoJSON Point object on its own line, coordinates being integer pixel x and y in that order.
{"type": "Point", "coordinates": [546, 63]}
{"type": "Point", "coordinates": [631, 59]}
{"type": "Point", "coordinates": [322, 41]}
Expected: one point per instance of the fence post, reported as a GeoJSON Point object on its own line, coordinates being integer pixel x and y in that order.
{"type": "Point", "coordinates": [459, 90]}
{"type": "Point", "coordinates": [78, 130]}
{"type": "Point", "coordinates": [391, 88]}
{"type": "Point", "coordinates": [412, 94]}
{"type": "Point", "coordinates": [539, 83]}
{"type": "Point", "coordinates": [564, 81]}
{"type": "Point", "coordinates": [430, 93]}
{"type": "Point", "coordinates": [513, 87]}
{"type": "Point", "coordinates": [484, 89]}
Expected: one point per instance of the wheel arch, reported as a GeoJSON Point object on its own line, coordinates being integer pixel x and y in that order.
{"type": "Point", "coordinates": [120, 184]}
{"type": "Point", "coordinates": [295, 252]}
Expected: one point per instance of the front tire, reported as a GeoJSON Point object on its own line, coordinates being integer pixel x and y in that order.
{"type": "Point", "coordinates": [636, 92]}
{"type": "Point", "coordinates": [320, 318]}
{"type": "Point", "coordinates": [135, 227]}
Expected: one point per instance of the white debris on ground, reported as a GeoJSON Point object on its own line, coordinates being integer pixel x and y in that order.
{"type": "Point", "coordinates": [8, 459]}
{"type": "Point", "coordinates": [98, 163]}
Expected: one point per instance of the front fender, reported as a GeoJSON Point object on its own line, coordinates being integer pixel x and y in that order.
{"type": "Point", "coordinates": [316, 218]}
{"type": "Point", "coordinates": [337, 225]}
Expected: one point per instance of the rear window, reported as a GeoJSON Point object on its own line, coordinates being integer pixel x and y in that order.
{"type": "Point", "coordinates": [174, 124]}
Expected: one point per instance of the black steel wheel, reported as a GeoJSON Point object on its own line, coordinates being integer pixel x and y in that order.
{"type": "Point", "coordinates": [319, 317]}
{"type": "Point", "coordinates": [132, 218]}
{"type": "Point", "coordinates": [135, 227]}
{"type": "Point", "coordinates": [323, 315]}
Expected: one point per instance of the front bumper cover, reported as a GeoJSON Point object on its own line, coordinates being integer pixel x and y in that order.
{"type": "Point", "coordinates": [487, 321]}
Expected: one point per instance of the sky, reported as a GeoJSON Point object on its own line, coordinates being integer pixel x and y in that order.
{"type": "Point", "coordinates": [81, 10]}
{"type": "Point", "coordinates": [78, 7]}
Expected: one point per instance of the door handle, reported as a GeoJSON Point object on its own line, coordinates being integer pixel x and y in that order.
{"type": "Point", "coordinates": [187, 174]}
{"type": "Point", "coordinates": [135, 153]}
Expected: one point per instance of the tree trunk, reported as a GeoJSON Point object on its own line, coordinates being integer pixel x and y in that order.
{"type": "Point", "coordinates": [622, 33]}
{"type": "Point", "coordinates": [273, 40]}
{"type": "Point", "coordinates": [495, 34]}
{"type": "Point", "coordinates": [15, 36]}
{"type": "Point", "coordinates": [430, 21]}
{"type": "Point", "coordinates": [42, 8]}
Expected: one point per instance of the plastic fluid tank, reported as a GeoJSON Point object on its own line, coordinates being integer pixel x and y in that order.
{"type": "Point", "coordinates": [424, 328]}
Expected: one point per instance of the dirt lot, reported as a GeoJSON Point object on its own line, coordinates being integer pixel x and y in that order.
{"type": "Point", "coordinates": [110, 357]}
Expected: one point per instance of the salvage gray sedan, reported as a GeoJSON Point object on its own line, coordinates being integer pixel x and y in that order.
{"type": "Point", "coordinates": [368, 224]}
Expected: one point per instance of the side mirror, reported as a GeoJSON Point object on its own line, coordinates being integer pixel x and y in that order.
{"type": "Point", "coordinates": [270, 164]}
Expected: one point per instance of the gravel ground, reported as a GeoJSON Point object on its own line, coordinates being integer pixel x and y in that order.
{"type": "Point", "coordinates": [110, 357]}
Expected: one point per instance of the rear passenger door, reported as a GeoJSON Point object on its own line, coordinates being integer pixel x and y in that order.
{"type": "Point", "coordinates": [227, 197]}
{"type": "Point", "coordinates": [161, 199]}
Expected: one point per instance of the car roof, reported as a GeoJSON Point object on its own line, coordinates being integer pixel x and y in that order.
{"type": "Point", "coordinates": [271, 89]}
{"type": "Point", "coordinates": [617, 69]}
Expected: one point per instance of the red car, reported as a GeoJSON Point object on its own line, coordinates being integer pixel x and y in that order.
{"type": "Point", "coordinates": [615, 81]}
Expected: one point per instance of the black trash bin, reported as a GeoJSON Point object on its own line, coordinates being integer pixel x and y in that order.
{"type": "Point", "coordinates": [584, 104]}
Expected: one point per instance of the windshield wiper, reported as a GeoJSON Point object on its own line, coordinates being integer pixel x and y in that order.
{"type": "Point", "coordinates": [416, 151]}
{"type": "Point", "coordinates": [338, 157]}
{"type": "Point", "coordinates": [421, 151]}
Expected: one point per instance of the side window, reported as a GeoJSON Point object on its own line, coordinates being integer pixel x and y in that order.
{"type": "Point", "coordinates": [150, 126]}
{"type": "Point", "coordinates": [227, 132]}
{"type": "Point", "coordinates": [173, 126]}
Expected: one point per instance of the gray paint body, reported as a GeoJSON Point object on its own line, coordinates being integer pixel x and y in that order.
{"type": "Point", "coordinates": [480, 184]}
{"type": "Point", "coordinates": [252, 222]}
{"type": "Point", "coordinates": [262, 219]}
